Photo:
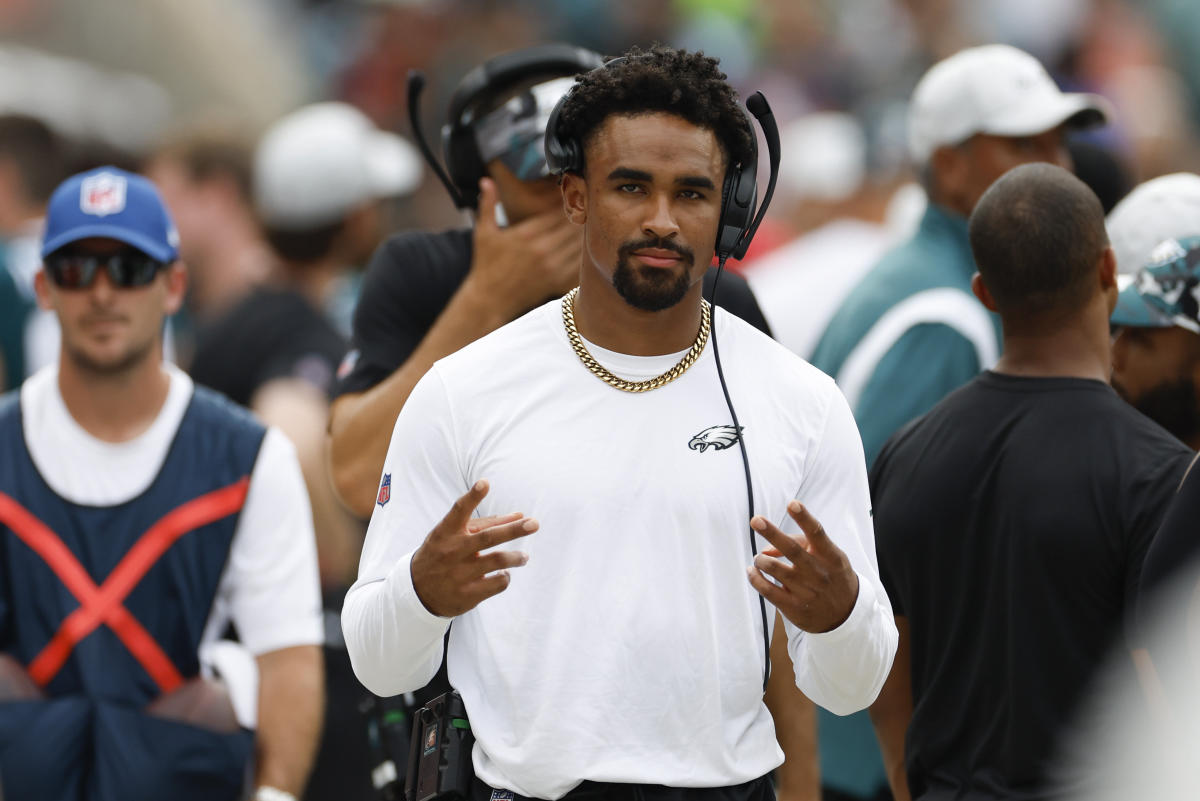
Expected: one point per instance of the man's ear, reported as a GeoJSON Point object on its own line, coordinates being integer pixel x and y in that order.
{"type": "Point", "coordinates": [41, 287]}
{"type": "Point", "coordinates": [574, 192]}
{"type": "Point", "coordinates": [981, 291]}
{"type": "Point", "coordinates": [176, 280]}
{"type": "Point", "coordinates": [1107, 269]}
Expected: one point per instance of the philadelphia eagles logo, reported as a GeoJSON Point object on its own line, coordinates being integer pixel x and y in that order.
{"type": "Point", "coordinates": [716, 437]}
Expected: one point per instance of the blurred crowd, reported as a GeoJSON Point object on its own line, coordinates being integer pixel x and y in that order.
{"type": "Point", "coordinates": [278, 134]}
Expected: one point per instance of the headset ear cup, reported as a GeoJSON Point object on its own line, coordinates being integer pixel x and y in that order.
{"type": "Point", "coordinates": [461, 155]}
{"type": "Point", "coordinates": [737, 208]}
{"type": "Point", "coordinates": [562, 155]}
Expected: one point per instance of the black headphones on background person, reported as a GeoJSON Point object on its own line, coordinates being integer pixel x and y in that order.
{"type": "Point", "coordinates": [739, 192]}
{"type": "Point", "coordinates": [464, 166]}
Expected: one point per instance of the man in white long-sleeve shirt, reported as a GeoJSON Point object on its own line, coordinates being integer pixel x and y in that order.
{"type": "Point", "coordinates": [625, 657]}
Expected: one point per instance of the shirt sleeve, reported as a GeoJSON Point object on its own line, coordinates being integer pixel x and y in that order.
{"type": "Point", "coordinates": [270, 584]}
{"type": "Point", "coordinates": [1157, 558]}
{"type": "Point", "coordinates": [878, 479]}
{"type": "Point", "coordinates": [395, 643]}
{"type": "Point", "coordinates": [844, 669]}
{"type": "Point", "coordinates": [925, 365]}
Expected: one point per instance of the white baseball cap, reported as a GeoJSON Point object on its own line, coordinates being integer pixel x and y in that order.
{"type": "Point", "coordinates": [1167, 207]}
{"type": "Point", "coordinates": [993, 89]}
{"type": "Point", "coordinates": [316, 164]}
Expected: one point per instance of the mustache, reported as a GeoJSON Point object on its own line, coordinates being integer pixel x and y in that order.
{"type": "Point", "coordinates": [102, 317]}
{"type": "Point", "coordinates": [627, 250]}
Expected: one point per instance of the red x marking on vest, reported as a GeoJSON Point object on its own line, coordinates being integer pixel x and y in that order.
{"type": "Point", "coordinates": [104, 604]}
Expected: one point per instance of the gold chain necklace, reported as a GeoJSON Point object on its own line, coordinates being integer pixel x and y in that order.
{"type": "Point", "coordinates": [598, 370]}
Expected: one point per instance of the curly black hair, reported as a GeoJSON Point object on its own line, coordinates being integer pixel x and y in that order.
{"type": "Point", "coordinates": [661, 79]}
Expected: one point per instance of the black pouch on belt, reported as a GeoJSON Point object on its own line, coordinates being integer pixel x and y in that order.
{"type": "Point", "coordinates": [439, 758]}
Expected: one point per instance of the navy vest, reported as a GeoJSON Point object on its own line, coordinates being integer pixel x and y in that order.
{"type": "Point", "coordinates": [106, 606]}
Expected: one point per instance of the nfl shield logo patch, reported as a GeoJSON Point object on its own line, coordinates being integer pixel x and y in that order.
{"type": "Point", "coordinates": [102, 194]}
{"type": "Point", "coordinates": [385, 490]}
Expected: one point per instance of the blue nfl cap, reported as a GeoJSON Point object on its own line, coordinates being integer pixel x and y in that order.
{"type": "Point", "coordinates": [114, 204]}
{"type": "Point", "coordinates": [1166, 291]}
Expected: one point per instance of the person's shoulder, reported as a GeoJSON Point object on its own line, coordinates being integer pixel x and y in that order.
{"type": "Point", "coordinates": [1146, 438]}
{"type": "Point", "coordinates": [912, 266]}
{"type": "Point", "coordinates": [788, 372]}
{"type": "Point", "coordinates": [944, 416]}
{"type": "Point", "coordinates": [438, 252]}
{"type": "Point", "coordinates": [895, 276]}
{"type": "Point", "coordinates": [454, 241]}
{"type": "Point", "coordinates": [36, 393]}
{"type": "Point", "coordinates": [212, 410]}
{"type": "Point", "coordinates": [267, 319]}
{"type": "Point", "coordinates": [508, 348]}
{"type": "Point", "coordinates": [416, 268]}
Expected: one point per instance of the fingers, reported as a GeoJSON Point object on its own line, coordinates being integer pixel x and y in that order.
{"type": "Point", "coordinates": [478, 524]}
{"type": "Point", "coordinates": [785, 544]}
{"type": "Point", "coordinates": [500, 560]}
{"type": "Point", "coordinates": [811, 527]}
{"type": "Point", "coordinates": [774, 594]}
{"type": "Point", "coordinates": [463, 509]}
{"type": "Point", "coordinates": [486, 218]}
{"type": "Point", "coordinates": [777, 569]}
{"type": "Point", "coordinates": [488, 586]}
{"type": "Point", "coordinates": [500, 534]}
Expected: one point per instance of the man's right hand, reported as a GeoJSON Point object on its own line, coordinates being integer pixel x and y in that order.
{"type": "Point", "coordinates": [449, 574]}
{"type": "Point", "coordinates": [526, 263]}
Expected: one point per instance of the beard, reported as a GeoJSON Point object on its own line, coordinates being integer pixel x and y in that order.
{"type": "Point", "coordinates": [124, 362]}
{"type": "Point", "coordinates": [652, 288]}
{"type": "Point", "coordinates": [1171, 404]}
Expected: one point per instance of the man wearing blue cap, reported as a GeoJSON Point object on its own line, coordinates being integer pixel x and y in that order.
{"type": "Point", "coordinates": [140, 517]}
{"type": "Point", "coordinates": [1156, 354]}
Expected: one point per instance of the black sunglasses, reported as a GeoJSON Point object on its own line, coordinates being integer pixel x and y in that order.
{"type": "Point", "coordinates": [126, 268]}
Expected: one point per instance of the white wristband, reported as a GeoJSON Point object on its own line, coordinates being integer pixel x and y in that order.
{"type": "Point", "coordinates": [273, 794]}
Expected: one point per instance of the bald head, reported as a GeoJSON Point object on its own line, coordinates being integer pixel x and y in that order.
{"type": "Point", "coordinates": [1037, 235]}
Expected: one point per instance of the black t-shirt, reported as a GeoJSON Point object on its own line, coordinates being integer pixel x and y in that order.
{"type": "Point", "coordinates": [1177, 545]}
{"type": "Point", "coordinates": [411, 279]}
{"type": "Point", "coordinates": [271, 333]}
{"type": "Point", "coordinates": [1172, 569]}
{"type": "Point", "coordinates": [1011, 522]}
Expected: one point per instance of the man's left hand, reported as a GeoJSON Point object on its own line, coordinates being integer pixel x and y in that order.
{"type": "Point", "coordinates": [819, 588]}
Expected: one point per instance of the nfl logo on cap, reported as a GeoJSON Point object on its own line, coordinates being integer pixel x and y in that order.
{"type": "Point", "coordinates": [102, 194]}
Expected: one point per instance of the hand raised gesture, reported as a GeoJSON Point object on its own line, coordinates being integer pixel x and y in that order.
{"type": "Point", "coordinates": [449, 574]}
{"type": "Point", "coordinates": [818, 590]}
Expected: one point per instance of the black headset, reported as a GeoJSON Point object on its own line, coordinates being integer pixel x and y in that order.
{"type": "Point", "coordinates": [739, 191]}
{"type": "Point", "coordinates": [464, 166]}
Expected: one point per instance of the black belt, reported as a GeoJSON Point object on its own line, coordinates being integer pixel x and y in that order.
{"type": "Point", "coordinates": [759, 789]}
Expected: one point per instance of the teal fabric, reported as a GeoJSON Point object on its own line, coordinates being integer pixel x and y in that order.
{"type": "Point", "coordinates": [925, 364]}
{"type": "Point", "coordinates": [928, 361]}
{"type": "Point", "coordinates": [15, 309]}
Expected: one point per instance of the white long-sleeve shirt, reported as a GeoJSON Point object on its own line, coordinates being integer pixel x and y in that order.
{"type": "Point", "coordinates": [630, 647]}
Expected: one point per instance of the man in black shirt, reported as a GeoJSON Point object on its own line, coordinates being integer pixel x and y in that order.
{"type": "Point", "coordinates": [1011, 521]}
